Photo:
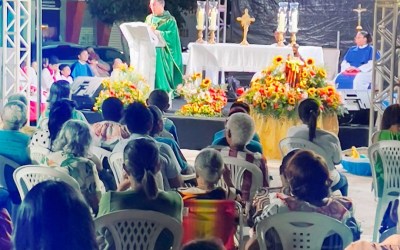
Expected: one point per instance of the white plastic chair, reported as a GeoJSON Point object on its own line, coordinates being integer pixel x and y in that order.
{"type": "Point", "coordinates": [38, 154]}
{"type": "Point", "coordinates": [138, 229]}
{"type": "Point", "coordinates": [237, 168]}
{"type": "Point", "coordinates": [389, 153]}
{"type": "Point", "coordinates": [302, 230]}
{"type": "Point", "coordinates": [4, 162]}
{"type": "Point", "coordinates": [116, 161]}
{"type": "Point", "coordinates": [26, 177]}
{"type": "Point", "coordinates": [100, 153]}
{"type": "Point", "coordinates": [289, 143]}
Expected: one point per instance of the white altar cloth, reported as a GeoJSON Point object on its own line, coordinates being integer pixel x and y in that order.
{"type": "Point", "coordinates": [213, 58]}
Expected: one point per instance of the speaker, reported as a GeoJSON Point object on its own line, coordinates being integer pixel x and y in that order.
{"type": "Point", "coordinates": [85, 90]}
{"type": "Point", "coordinates": [357, 102]}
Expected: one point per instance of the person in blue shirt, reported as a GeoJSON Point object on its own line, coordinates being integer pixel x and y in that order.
{"type": "Point", "coordinates": [80, 67]}
{"type": "Point", "coordinates": [356, 68]}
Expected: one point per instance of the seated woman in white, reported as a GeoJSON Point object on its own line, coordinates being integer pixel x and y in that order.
{"type": "Point", "coordinates": [356, 68]}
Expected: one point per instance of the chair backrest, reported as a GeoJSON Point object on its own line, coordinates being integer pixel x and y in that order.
{"type": "Point", "coordinates": [375, 137]}
{"type": "Point", "coordinates": [38, 154]}
{"type": "Point", "coordinates": [303, 230]}
{"type": "Point", "coordinates": [7, 168]}
{"type": "Point", "coordinates": [138, 229]}
{"type": "Point", "coordinates": [28, 176]}
{"type": "Point", "coordinates": [212, 218]}
{"type": "Point", "coordinates": [101, 153]}
{"type": "Point", "coordinates": [116, 161]}
{"type": "Point", "coordinates": [237, 168]}
{"type": "Point", "coordinates": [388, 152]}
{"type": "Point", "coordinates": [331, 59]}
{"type": "Point", "coordinates": [289, 143]}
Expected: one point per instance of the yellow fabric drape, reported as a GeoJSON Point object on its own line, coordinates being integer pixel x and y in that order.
{"type": "Point", "coordinates": [272, 130]}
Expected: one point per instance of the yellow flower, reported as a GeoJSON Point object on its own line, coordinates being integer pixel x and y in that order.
{"type": "Point", "coordinates": [205, 84]}
{"type": "Point", "coordinates": [322, 72]}
{"type": "Point", "coordinates": [291, 101]}
{"type": "Point", "coordinates": [310, 61]}
{"type": "Point", "coordinates": [304, 74]}
{"type": "Point", "coordinates": [311, 91]}
{"type": "Point", "coordinates": [277, 59]}
{"type": "Point", "coordinates": [263, 105]}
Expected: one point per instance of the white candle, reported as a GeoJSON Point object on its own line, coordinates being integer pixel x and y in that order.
{"type": "Point", "coordinates": [281, 22]}
{"type": "Point", "coordinates": [213, 19]}
{"type": "Point", "coordinates": [200, 19]}
{"type": "Point", "coordinates": [295, 17]}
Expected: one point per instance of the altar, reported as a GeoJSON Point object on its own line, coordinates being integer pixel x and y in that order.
{"type": "Point", "coordinates": [226, 57]}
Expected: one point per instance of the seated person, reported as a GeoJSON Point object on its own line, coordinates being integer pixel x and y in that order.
{"type": "Point", "coordinates": [209, 167]}
{"type": "Point", "coordinates": [141, 163]}
{"type": "Point", "coordinates": [28, 130]}
{"type": "Point", "coordinates": [13, 143]}
{"type": "Point", "coordinates": [58, 91]}
{"type": "Point", "coordinates": [101, 67]}
{"type": "Point", "coordinates": [356, 68]}
{"type": "Point", "coordinates": [60, 112]}
{"type": "Point", "coordinates": [308, 112]}
{"type": "Point", "coordinates": [111, 131]}
{"type": "Point", "coordinates": [81, 67]}
{"type": "Point", "coordinates": [158, 126]}
{"type": "Point", "coordinates": [6, 226]}
{"type": "Point", "coordinates": [54, 215]}
{"type": "Point", "coordinates": [390, 130]}
{"type": "Point", "coordinates": [139, 121]}
{"type": "Point", "coordinates": [204, 244]}
{"type": "Point", "coordinates": [219, 138]}
{"type": "Point", "coordinates": [276, 36]}
{"type": "Point", "coordinates": [392, 242]}
{"type": "Point", "coordinates": [65, 73]}
{"type": "Point", "coordinates": [308, 178]}
{"type": "Point", "coordinates": [239, 130]}
{"type": "Point", "coordinates": [296, 53]}
{"type": "Point", "coordinates": [71, 155]}
{"type": "Point", "coordinates": [160, 99]}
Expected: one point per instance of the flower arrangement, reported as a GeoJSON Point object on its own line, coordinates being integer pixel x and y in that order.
{"type": "Point", "coordinates": [283, 84]}
{"type": "Point", "coordinates": [203, 99]}
{"type": "Point", "coordinates": [126, 84]}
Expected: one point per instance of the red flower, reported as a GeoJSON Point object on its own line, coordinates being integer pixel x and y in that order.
{"type": "Point", "coordinates": [240, 91]}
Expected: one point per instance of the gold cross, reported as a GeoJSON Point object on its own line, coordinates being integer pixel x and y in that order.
{"type": "Point", "coordinates": [359, 10]}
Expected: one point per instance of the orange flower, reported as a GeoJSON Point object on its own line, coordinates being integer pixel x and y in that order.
{"type": "Point", "coordinates": [291, 101]}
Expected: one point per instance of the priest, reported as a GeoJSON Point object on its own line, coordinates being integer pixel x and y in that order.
{"type": "Point", "coordinates": [168, 58]}
{"type": "Point", "coordinates": [356, 68]}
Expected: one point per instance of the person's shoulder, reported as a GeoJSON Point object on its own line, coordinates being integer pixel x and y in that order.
{"type": "Point", "coordinates": [172, 197]}
{"type": "Point", "coordinates": [344, 201]}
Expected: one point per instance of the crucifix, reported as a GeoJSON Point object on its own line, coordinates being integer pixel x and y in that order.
{"type": "Point", "coordinates": [359, 10]}
{"type": "Point", "coordinates": [245, 22]}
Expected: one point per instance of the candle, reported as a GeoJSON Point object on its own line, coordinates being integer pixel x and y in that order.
{"type": "Point", "coordinates": [213, 19]}
{"type": "Point", "coordinates": [294, 21]}
{"type": "Point", "coordinates": [200, 19]}
{"type": "Point", "coordinates": [281, 22]}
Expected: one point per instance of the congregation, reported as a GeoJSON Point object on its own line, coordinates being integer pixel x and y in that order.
{"type": "Point", "coordinates": [154, 168]}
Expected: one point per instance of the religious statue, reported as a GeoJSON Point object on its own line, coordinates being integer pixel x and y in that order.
{"type": "Point", "coordinates": [245, 22]}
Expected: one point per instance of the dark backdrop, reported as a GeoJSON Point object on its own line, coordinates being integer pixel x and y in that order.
{"type": "Point", "coordinates": [319, 21]}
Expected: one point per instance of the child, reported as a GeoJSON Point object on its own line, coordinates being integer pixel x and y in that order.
{"type": "Point", "coordinates": [65, 73]}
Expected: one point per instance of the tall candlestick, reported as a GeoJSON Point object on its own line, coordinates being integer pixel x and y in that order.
{"type": "Point", "coordinates": [282, 13]}
{"type": "Point", "coordinates": [213, 15]}
{"type": "Point", "coordinates": [293, 17]}
{"type": "Point", "coordinates": [200, 19]}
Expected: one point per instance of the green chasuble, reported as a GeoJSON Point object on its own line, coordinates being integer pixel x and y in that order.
{"type": "Point", "coordinates": [168, 58]}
